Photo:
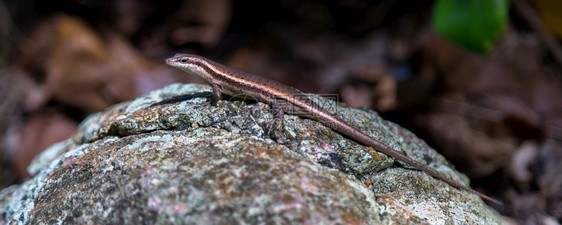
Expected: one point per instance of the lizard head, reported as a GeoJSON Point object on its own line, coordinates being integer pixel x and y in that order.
{"type": "Point", "coordinates": [192, 64]}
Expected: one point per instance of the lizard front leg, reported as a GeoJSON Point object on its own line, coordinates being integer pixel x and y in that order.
{"type": "Point", "coordinates": [216, 94]}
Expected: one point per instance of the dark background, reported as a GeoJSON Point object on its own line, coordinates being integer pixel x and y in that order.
{"type": "Point", "coordinates": [496, 116]}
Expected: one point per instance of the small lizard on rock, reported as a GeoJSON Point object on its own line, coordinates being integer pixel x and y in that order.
{"type": "Point", "coordinates": [283, 98]}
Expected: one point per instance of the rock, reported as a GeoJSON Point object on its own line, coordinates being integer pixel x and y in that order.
{"type": "Point", "coordinates": [169, 157]}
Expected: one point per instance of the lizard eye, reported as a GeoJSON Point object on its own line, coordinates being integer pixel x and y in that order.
{"type": "Point", "coordinates": [183, 60]}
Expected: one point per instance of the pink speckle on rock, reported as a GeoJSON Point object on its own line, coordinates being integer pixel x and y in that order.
{"type": "Point", "coordinates": [148, 171]}
{"type": "Point", "coordinates": [286, 207]}
{"type": "Point", "coordinates": [307, 186]}
{"type": "Point", "coordinates": [154, 203]}
{"type": "Point", "coordinates": [178, 208]}
{"type": "Point", "coordinates": [173, 189]}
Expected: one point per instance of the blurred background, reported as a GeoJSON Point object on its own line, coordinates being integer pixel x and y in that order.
{"type": "Point", "coordinates": [479, 80]}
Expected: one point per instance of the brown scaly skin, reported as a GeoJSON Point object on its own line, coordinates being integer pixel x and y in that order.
{"type": "Point", "coordinates": [229, 81]}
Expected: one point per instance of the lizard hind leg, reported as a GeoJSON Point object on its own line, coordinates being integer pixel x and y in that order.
{"type": "Point", "coordinates": [276, 126]}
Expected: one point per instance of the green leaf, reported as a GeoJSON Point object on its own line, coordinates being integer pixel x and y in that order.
{"type": "Point", "coordinates": [473, 24]}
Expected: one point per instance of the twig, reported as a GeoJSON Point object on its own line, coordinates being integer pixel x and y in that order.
{"type": "Point", "coordinates": [532, 19]}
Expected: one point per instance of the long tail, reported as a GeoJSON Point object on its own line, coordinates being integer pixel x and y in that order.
{"type": "Point", "coordinates": [365, 139]}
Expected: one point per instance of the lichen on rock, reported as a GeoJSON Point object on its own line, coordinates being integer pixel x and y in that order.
{"type": "Point", "coordinates": [170, 157]}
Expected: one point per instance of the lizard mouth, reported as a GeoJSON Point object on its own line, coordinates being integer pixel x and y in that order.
{"type": "Point", "coordinates": [177, 60]}
{"type": "Point", "coordinates": [170, 61]}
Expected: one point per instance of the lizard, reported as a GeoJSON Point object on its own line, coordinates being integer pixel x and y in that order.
{"type": "Point", "coordinates": [233, 82]}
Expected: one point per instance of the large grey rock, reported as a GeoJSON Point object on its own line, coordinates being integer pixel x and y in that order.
{"type": "Point", "coordinates": [169, 158]}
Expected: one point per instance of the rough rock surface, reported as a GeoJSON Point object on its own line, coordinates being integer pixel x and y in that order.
{"type": "Point", "coordinates": [169, 157]}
